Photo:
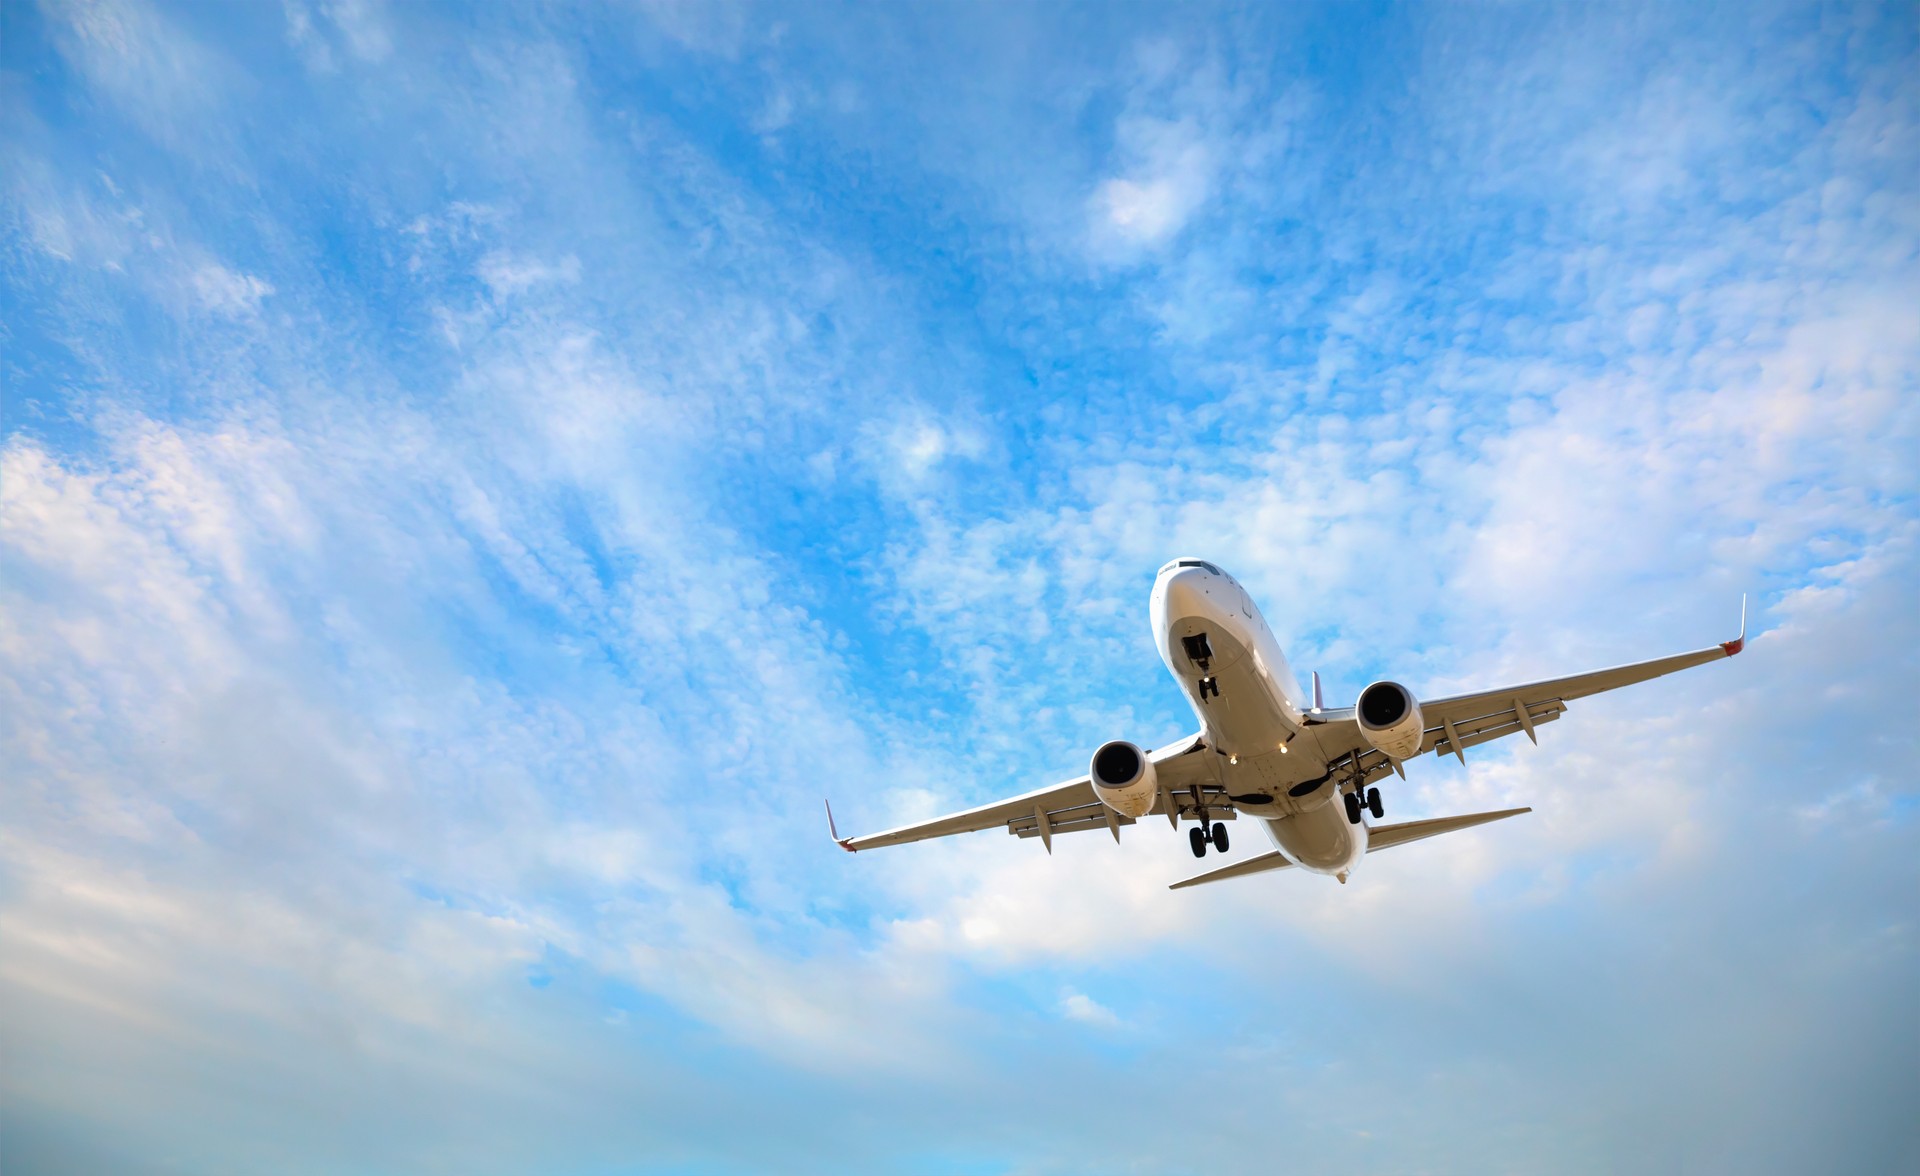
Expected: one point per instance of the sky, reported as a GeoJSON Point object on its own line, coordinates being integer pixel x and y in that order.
{"type": "Point", "coordinates": [474, 477]}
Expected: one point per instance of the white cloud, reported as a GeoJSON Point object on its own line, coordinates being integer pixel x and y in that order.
{"type": "Point", "coordinates": [364, 25]}
{"type": "Point", "coordinates": [915, 450]}
{"type": "Point", "coordinates": [305, 38]}
{"type": "Point", "coordinates": [720, 28]}
{"type": "Point", "coordinates": [140, 570]}
{"type": "Point", "coordinates": [1168, 184]}
{"type": "Point", "coordinates": [225, 292]}
{"type": "Point", "coordinates": [1191, 137]}
{"type": "Point", "coordinates": [507, 275]}
{"type": "Point", "coordinates": [919, 446]}
{"type": "Point", "coordinates": [158, 76]}
{"type": "Point", "coordinates": [1168, 179]}
{"type": "Point", "coordinates": [776, 114]}
{"type": "Point", "coordinates": [1078, 1006]}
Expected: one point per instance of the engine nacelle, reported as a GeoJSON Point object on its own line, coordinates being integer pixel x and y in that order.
{"type": "Point", "coordinates": [1389, 718]}
{"type": "Point", "coordinates": [1123, 778]}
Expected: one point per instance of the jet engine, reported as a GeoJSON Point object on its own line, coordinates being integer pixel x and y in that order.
{"type": "Point", "coordinates": [1390, 719]}
{"type": "Point", "coordinates": [1123, 778]}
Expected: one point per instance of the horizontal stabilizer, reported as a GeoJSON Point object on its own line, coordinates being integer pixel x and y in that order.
{"type": "Point", "coordinates": [1258, 864]}
{"type": "Point", "coordinates": [1386, 836]}
{"type": "Point", "coordinates": [1379, 837]}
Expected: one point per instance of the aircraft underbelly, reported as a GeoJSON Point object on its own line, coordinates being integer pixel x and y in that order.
{"type": "Point", "coordinates": [1276, 775]}
{"type": "Point", "coordinates": [1319, 839]}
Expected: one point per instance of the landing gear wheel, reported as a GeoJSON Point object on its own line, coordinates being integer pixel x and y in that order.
{"type": "Point", "coordinates": [1197, 837]}
{"type": "Point", "coordinates": [1220, 838]}
{"type": "Point", "coordinates": [1353, 808]}
{"type": "Point", "coordinates": [1373, 803]}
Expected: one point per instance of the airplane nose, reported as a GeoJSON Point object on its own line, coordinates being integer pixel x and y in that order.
{"type": "Point", "coordinates": [1185, 593]}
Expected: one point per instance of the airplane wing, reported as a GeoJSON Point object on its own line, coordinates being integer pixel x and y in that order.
{"type": "Point", "coordinates": [1186, 776]}
{"type": "Point", "coordinates": [1378, 838]}
{"type": "Point", "coordinates": [1189, 779]}
{"type": "Point", "coordinates": [1460, 721]}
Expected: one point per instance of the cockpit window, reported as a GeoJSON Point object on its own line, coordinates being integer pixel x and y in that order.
{"type": "Point", "coordinates": [1200, 563]}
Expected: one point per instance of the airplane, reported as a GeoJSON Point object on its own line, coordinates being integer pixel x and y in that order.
{"type": "Point", "coordinates": [1270, 752]}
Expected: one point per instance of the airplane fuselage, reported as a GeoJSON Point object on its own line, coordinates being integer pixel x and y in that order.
{"type": "Point", "coordinates": [1258, 725]}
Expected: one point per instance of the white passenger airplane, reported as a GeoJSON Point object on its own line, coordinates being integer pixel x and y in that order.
{"type": "Point", "coordinates": [1266, 750]}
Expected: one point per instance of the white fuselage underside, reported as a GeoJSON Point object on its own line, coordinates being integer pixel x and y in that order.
{"type": "Point", "coordinates": [1258, 726]}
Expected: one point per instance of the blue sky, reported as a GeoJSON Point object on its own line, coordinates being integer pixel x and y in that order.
{"type": "Point", "coordinates": [474, 478]}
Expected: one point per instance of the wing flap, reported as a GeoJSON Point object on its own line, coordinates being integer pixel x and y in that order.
{"type": "Point", "coordinates": [1073, 820]}
{"type": "Point", "coordinates": [1375, 766]}
{"type": "Point", "coordinates": [1487, 728]}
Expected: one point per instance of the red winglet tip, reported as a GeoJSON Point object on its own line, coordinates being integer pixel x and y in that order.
{"type": "Point", "coordinates": [843, 842]}
{"type": "Point", "coordinates": [1738, 643]}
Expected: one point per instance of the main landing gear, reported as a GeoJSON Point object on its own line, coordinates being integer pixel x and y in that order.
{"type": "Point", "coordinates": [1371, 804]}
{"type": "Point", "coordinates": [1200, 836]}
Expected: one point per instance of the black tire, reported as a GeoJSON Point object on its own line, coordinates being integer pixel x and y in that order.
{"type": "Point", "coordinates": [1373, 803]}
{"type": "Point", "coordinates": [1197, 837]}
{"type": "Point", "coordinates": [1220, 838]}
{"type": "Point", "coordinates": [1353, 808]}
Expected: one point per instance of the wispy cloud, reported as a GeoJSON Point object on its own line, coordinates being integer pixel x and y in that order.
{"type": "Point", "coordinates": [222, 291]}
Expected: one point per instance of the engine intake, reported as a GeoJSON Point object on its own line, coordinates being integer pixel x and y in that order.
{"type": "Point", "coordinates": [1390, 719]}
{"type": "Point", "coordinates": [1123, 778]}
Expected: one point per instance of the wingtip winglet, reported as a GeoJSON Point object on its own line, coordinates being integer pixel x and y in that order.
{"type": "Point", "coordinates": [842, 842]}
{"type": "Point", "coordinates": [1738, 643]}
